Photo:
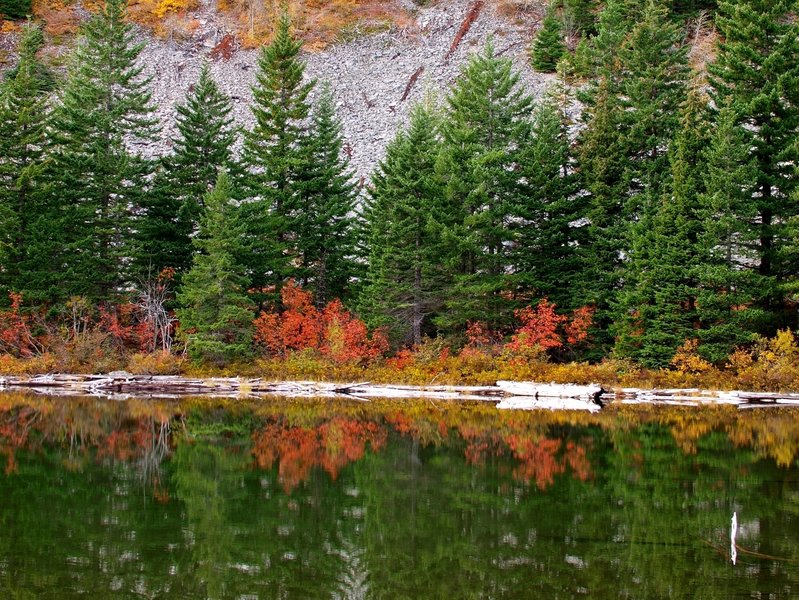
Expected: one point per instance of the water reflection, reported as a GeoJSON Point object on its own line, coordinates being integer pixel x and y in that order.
{"type": "Point", "coordinates": [303, 498]}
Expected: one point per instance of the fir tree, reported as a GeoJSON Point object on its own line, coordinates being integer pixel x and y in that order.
{"type": "Point", "coordinates": [96, 180]}
{"type": "Point", "coordinates": [407, 277]}
{"type": "Point", "coordinates": [321, 220]}
{"type": "Point", "coordinates": [579, 17]}
{"type": "Point", "coordinates": [757, 70]}
{"type": "Point", "coordinates": [545, 241]}
{"type": "Point", "coordinates": [273, 151]}
{"type": "Point", "coordinates": [548, 47]}
{"type": "Point", "coordinates": [202, 147]}
{"type": "Point", "coordinates": [216, 314]}
{"type": "Point", "coordinates": [485, 125]}
{"type": "Point", "coordinates": [15, 9]}
{"type": "Point", "coordinates": [730, 229]}
{"type": "Point", "coordinates": [657, 310]}
{"type": "Point", "coordinates": [23, 118]}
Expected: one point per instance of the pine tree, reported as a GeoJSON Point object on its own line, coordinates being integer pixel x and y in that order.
{"type": "Point", "coordinates": [23, 118]}
{"type": "Point", "coordinates": [273, 151]}
{"type": "Point", "coordinates": [407, 277]}
{"type": "Point", "coordinates": [729, 285]}
{"type": "Point", "coordinates": [15, 9]}
{"type": "Point", "coordinates": [657, 310]}
{"type": "Point", "coordinates": [655, 85]}
{"type": "Point", "coordinates": [548, 47]}
{"type": "Point", "coordinates": [485, 125]}
{"type": "Point", "coordinates": [96, 180]}
{"type": "Point", "coordinates": [579, 16]}
{"type": "Point", "coordinates": [757, 70]}
{"type": "Point", "coordinates": [322, 224]}
{"type": "Point", "coordinates": [172, 211]}
{"type": "Point", "coordinates": [545, 253]}
{"type": "Point", "coordinates": [216, 314]}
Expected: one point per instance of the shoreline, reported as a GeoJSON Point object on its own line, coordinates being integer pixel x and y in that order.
{"type": "Point", "coordinates": [507, 394]}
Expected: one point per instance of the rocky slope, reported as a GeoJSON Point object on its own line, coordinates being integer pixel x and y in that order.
{"type": "Point", "coordinates": [369, 75]}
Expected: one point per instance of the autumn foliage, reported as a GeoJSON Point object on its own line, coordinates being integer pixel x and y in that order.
{"type": "Point", "coordinates": [16, 337]}
{"type": "Point", "coordinates": [332, 331]}
{"type": "Point", "coordinates": [544, 328]}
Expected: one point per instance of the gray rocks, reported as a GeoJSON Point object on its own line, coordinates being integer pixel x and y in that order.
{"type": "Point", "coordinates": [368, 76]}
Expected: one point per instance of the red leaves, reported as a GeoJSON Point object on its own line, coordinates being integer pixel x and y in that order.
{"type": "Point", "coordinates": [542, 327]}
{"type": "Point", "coordinates": [333, 331]}
{"type": "Point", "coordinates": [15, 334]}
{"type": "Point", "coordinates": [331, 445]}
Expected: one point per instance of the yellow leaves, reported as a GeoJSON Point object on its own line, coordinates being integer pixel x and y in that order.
{"type": "Point", "coordinates": [687, 360]}
{"type": "Point", "coordinates": [173, 6]}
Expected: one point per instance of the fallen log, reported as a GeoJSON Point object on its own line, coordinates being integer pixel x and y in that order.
{"type": "Point", "coordinates": [471, 17]}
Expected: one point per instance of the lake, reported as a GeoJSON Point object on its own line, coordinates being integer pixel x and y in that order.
{"type": "Point", "coordinates": [305, 498]}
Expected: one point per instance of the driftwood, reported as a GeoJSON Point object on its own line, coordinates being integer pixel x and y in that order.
{"type": "Point", "coordinates": [411, 83]}
{"type": "Point", "coordinates": [121, 385]}
{"type": "Point", "coordinates": [471, 17]}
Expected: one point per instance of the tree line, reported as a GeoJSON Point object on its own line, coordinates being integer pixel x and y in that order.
{"type": "Point", "coordinates": [669, 208]}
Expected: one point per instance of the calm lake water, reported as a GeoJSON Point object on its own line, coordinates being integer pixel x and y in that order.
{"type": "Point", "coordinates": [291, 498]}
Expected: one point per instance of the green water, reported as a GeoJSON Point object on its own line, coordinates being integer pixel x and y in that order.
{"type": "Point", "coordinates": [317, 499]}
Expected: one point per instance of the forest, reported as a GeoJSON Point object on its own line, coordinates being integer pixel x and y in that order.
{"type": "Point", "coordinates": [654, 230]}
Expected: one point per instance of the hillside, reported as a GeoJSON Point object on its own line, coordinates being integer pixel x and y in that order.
{"type": "Point", "coordinates": [376, 73]}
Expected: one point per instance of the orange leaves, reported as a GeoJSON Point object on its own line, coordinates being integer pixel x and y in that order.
{"type": "Point", "coordinates": [544, 328]}
{"type": "Point", "coordinates": [15, 333]}
{"type": "Point", "coordinates": [334, 331]}
{"type": "Point", "coordinates": [331, 446]}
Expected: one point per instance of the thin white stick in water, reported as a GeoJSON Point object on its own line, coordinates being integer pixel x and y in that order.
{"type": "Point", "coordinates": [733, 533]}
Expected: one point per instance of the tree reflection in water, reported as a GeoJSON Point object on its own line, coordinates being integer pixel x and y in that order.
{"type": "Point", "coordinates": [310, 498]}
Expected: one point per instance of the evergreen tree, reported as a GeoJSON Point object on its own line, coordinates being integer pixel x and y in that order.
{"type": "Point", "coordinates": [579, 17]}
{"type": "Point", "coordinates": [216, 315]}
{"type": "Point", "coordinates": [23, 117]}
{"type": "Point", "coordinates": [274, 152]}
{"type": "Point", "coordinates": [545, 243]}
{"type": "Point", "coordinates": [548, 47]}
{"type": "Point", "coordinates": [485, 125]}
{"type": "Point", "coordinates": [203, 146]}
{"type": "Point", "coordinates": [96, 180]}
{"type": "Point", "coordinates": [603, 158]}
{"type": "Point", "coordinates": [15, 9]}
{"type": "Point", "coordinates": [729, 285]}
{"type": "Point", "coordinates": [657, 310]}
{"type": "Point", "coordinates": [321, 221]}
{"type": "Point", "coordinates": [757, 70]}
{"type": "Point", "coordinates": [407, 274]}
{"type": "Point", "coordinates": [656, 73]}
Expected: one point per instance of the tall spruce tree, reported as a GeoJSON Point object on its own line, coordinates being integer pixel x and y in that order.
{"type": "Point", "coordinates": [96, 180]}
{"type": "Point", "coordinates": [215, 312]}
{"type": "Point", "coordinates": [729, 286]}
{"type": "Point", "coordinates": [545, 257]}
{"type": "Point", "coordinates": [274, 152]}
{"type": "Point", "coordinates": [322, 222]}
{"type": "Point", "coordinates": [657, 310]}
{"type": "Point", "coordinates": [548, 47]}
{"type": "Point", "coordinates": [486, 123]}
{"type": "Point", "coordinates": [407, 275]}
{"type": "Point", "coordinates": [203, 146]}
{"type": "Point", "coordinates": [757, 71]}
{"type": "Point", "coordinates": [23, 118]}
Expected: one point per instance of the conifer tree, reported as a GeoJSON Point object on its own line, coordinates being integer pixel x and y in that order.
{"type": "Point", "coordinates": [273, 151]}
{"type": "Point", "coordinates": [15, 9]}
{"type": "Point", "coordinates": [579, 15]}
{"type": "Point", "coordinates": [548, 47]}
{"type": "Point", "coordinates": [23, 117]}
{"type": "Point", "coordinates": [757, 70]}
{"type": "Point", "coordinates": [545, 244]}
{"type": "Point", "coordinates": [485, 125]}
{"type": "Point", "coordinates": [657, 310]}
{"type": "Point", "coordinates": [96, 179]}
{"type": "Point", "coordinates": [729, 285]}
{"type": "Point", "coordinates": [407, 275]}
{"type": "Point", "coordinates": [216, 314]}
{"type": "Point", "coordinates": [203, 146]}
{"type": "Point", "coordinates": [321, 221]}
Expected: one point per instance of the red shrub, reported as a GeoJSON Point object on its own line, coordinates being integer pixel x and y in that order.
{"type": "Point", "coordinates": [15, 334]}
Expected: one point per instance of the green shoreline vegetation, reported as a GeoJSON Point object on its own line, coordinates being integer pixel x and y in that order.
{"type": "Point", "coordinates": [652, 244]}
